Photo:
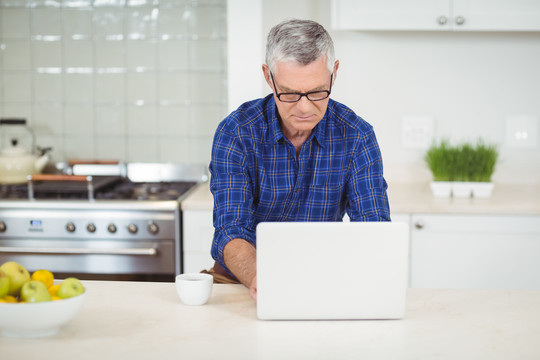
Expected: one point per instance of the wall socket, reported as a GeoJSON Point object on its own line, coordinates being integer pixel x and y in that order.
{"type": "Point", "coordinates": [417, 131]}
{"type": "Point", "coordinates": [521, 131]}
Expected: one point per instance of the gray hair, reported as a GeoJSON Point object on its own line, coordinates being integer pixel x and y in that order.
{"type": "Point", "coordinates": [302, 41]}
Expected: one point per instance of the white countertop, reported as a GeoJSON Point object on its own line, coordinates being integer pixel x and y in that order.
{"type": "Point", "coordinates": [417, 198]}
{"type": "Point", "coordinates": [137, 320]}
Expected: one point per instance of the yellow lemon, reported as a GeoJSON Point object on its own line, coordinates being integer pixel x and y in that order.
{"type": "Point", "coordinates": [10, 299]}
{"type": "Point", "coordinates": [53, 290]}
{"type": "Point", "coordinates": [54, 298]}
{"type": "Point", "coordinates": [45, 276]}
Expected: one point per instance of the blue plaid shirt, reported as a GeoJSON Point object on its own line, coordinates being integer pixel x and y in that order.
{"type": "Point", "coordinates": [256, 177]}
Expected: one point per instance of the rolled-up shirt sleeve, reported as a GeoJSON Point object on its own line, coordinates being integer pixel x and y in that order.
{"type": "Point", "coordinates": [232, 189]}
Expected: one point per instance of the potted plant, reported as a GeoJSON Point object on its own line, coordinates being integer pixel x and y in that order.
{"type": "Point", "coordinates": [462, 171]}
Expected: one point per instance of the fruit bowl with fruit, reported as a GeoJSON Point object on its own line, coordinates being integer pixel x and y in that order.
{"type": "Point", "coordinates": [36, 305]}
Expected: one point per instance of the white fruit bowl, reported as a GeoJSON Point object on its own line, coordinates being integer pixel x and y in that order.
{"type": "Point", "coordinates": [38, 319]}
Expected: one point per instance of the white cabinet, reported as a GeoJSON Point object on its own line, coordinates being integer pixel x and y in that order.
{"type": "Point", "coordinates": [475, 251]}
{"type": "Point", "coordinates": [436, 15]}
{"type": "Point", "coordinates": [198, 232]}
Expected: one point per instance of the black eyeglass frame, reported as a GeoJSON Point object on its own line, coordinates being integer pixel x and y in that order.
{"type": "Point", "coordinates": [300, 95]}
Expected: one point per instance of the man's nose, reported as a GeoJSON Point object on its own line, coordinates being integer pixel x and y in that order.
{"type": "Point", "coordinates": [303, 104]}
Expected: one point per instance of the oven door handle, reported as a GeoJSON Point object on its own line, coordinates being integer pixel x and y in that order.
{"type": "Point", "coordinates": [151, 251]}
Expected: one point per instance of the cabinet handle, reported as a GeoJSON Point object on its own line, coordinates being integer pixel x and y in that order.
{"type": "Point", "coordinates": [419, 225]}
{"type": "Point", "coordinates": [442, 20]}
{"type": "Point", "coordinates": [460, 20]}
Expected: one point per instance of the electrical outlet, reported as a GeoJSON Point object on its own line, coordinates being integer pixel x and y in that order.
{"type": "Point", "coordinates": [417, 131]}
{"type": "Point", "coordinates": [522, 131]}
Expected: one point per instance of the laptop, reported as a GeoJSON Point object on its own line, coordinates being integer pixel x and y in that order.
{"type": "Point", "coordinates": [332, 270]}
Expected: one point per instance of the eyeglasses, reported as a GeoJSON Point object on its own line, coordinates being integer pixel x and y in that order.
{"type": "Point", "coordinates": [295, 97]}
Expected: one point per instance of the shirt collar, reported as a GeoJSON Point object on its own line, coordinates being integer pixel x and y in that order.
{"type": "Point", "coordinates": [274, 130]}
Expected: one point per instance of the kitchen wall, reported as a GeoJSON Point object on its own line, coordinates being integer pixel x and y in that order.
{"type": "Point", "coordinates": [134, 80]}
{"type": "Point", "coordinates": [469, 83]}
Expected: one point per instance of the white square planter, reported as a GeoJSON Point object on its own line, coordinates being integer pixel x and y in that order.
{"type": "Point", "coordinates": [482, 189]}
{"type": "Point", "coordinates": [441, 188]}
{"type": "Point", "coordinates": [461, 189]}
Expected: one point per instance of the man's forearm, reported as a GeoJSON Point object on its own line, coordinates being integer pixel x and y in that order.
{"type": "Point", "coordinates": [240, 258]}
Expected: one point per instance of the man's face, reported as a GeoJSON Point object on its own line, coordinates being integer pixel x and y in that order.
{"type": "Point", "coordinates": [301, 116]}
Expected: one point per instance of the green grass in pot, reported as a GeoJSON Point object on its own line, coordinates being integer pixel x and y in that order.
{"type": "Point", "coordinates": [441, 161]}
{"type": "Point", "coordinates": [484, 163]}
{"type": "Point", "coordinates": [461, 163]}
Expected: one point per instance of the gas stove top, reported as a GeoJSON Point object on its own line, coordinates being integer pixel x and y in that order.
{"type": "Point", "coordinates": [129, 182]}
{"type": "Point", "coordinates": [103, 188]}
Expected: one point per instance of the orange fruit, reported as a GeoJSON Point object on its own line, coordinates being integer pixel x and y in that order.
{"type": "Point", "coordinates": [53, 290]}
{"type": "Point", "coordinates": [45, 276]}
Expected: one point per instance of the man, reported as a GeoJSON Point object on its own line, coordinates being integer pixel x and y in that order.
{"type": "Point", "coordinates": [295, 155]}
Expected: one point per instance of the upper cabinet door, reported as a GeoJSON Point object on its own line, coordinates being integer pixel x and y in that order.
{"type": "Point", "coordinates": [496, 15]}
{"type": "Point", "coordinates": [391, 14]}
{"type": "Point", "coordinates": [436, 15]}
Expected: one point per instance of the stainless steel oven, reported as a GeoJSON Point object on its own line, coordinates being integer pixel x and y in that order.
{"type": "Point", "coordinates": [117, 221]}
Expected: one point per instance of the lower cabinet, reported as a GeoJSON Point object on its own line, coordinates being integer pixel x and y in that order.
{"type": "Point", "coordinates": [446, 251]}
{"type": "Point", "coordinates": [475, 251]}
{"type": "Point", "coordinates": [198, 232]}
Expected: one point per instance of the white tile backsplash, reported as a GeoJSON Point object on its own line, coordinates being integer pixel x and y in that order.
{"type": "Point", "coordinates": [173, 55]}
{"type": "Point", "coordinates": [109, 120]}
{"type": "Point", "coordinates": [174, 121]}
{"type": "Point", "coordinates": [141, 88]}
{"type": "Point", "coordinates": [46, 22]}
{"type": "Point", "coordinates": [78, 120]}
{"type": "Point", "coordinates": [17, 87]}
{"type": "Point", "coordinates": [16, 55]}
{"type": "Point", "coordinates": [108, 22]}
{"type": "Point", "coordinates": [141, 55]}
{"type": "Point", "coordinates": [174, 87]}
{"type": "Point", "coordinates": [47, 54]}
{"type": "Point", "coordinates": [78, 54]}
{"type": "Point", "coordinates": [48, 88]}
{"type": "Point", "coordinates": [109, 54]}
{"type": "Point", "coordinates": [15, 23]}
{"type": "Point", "coordinates": [142, 120]}
{"type": "Point", "coordinates": [77, 23]}
{"type": "Point", "coordinates": [111, 148]}
{"type": "Point", "coordinates": [49, 119]}
{"type": "Point", "coordinates": [134, 80]}
{"type": "Point", "coordinates": [79, 88]}
{"type": "Point", "coordinates": [110, 88]}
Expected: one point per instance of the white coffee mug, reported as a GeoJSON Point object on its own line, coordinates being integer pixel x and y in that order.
{"type": "Point", "coordinates": [194, 288]}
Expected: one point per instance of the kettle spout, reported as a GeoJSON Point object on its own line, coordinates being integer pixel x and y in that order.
{"type": "Point", "coordinates": [41, 162]}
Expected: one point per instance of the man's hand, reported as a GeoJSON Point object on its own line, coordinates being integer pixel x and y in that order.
{"type": "Point", "coordinates": [240, 258]}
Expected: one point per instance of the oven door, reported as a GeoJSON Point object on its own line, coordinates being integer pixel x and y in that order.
{"type": "Point", "coordinates": [94, 259]}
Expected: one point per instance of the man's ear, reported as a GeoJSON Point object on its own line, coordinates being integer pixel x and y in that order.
{"type": "Point", "coordinates": [336, 67]}
{"type": "Point", "coordinates": [266, 72]}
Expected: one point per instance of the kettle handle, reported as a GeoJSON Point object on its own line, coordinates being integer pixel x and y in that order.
{"type": "Point", "coordinates": [12, 121]}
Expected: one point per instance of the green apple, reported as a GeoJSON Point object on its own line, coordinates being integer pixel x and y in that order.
{"type": "Point", "coordinates": [35, 291]}
{"type": "Point", "coordinates": [4, 283]}
{"type": "Point", "coordinates": [70, 287]}
{"type": "Point", "coordinates": [17, 274]}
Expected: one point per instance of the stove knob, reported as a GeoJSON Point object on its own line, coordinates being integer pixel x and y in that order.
{"type": "Point", "coordinates": [3, 226]}
{"type": "Point", "coordinates": [91, 228]}
{"type": "Point", "coordinates": [111, 228]}
{"type": "Point", "coordinates": [132, 228]}
{"type": "Point", "coordinates": [70, 227]}
{"type": "Point", "coordinates": [153, 228]}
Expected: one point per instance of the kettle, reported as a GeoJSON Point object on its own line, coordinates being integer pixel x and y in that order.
{"type": "Point", "coordinates": [16, 163]}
